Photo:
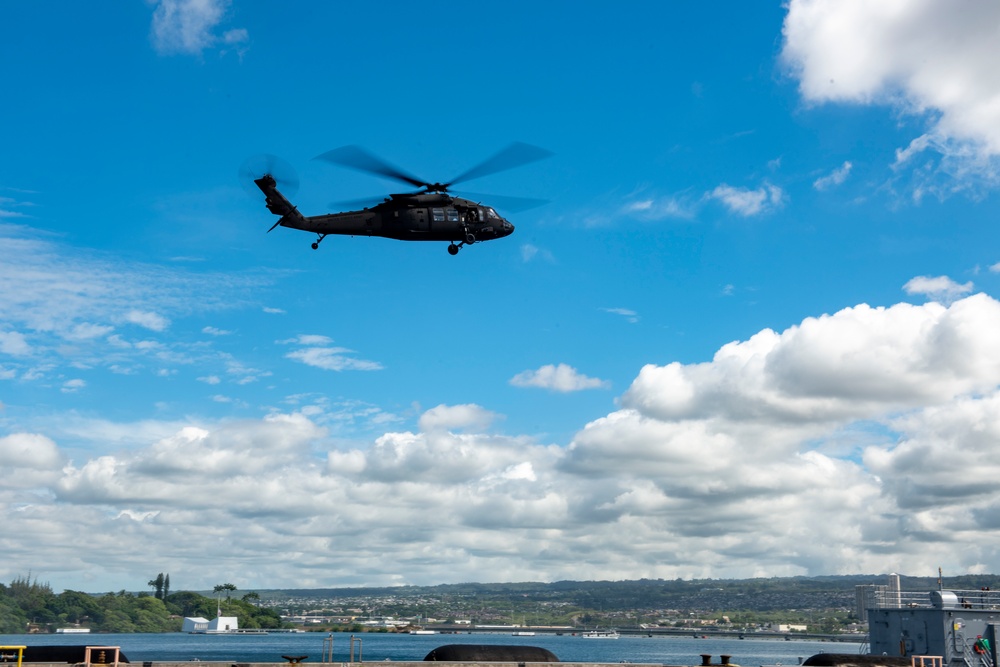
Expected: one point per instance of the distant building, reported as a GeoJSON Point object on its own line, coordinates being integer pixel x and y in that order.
{"type": "Point", "coordinates": [202, 626]}
{"type": "Point", "coordinates": [195, 625]}
{"type": "Point", "coordinates": [865, 597]}
{"type": "Point", "coordinates": [788, 627]}
{"type": "Point", "coordinates": [223, 624]}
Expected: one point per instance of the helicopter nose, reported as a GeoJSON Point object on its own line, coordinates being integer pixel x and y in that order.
{"type": "Point", "coordinates": [508, 228]}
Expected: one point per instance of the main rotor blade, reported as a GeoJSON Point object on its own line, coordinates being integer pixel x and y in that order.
{"type": "Point", "coordinates": [355, 204]}
{"type": "Point", "coordinates": [512, 204]}
{"type": "Point", "coordinates": [357, 158]}
{"type": "Point", "coordinates": [515, 155]}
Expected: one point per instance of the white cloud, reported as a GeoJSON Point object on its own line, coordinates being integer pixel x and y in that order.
{"type": "Point", "coordinates": [307, 339]}
{"type": "Point", "coordinates": [451, 417]}
{"type": "Point", "coordinates": [68, 302]}
{"type": "Point", "coordinates": [213, 331]}
{"type": "Point", "coordinates": [318, 353]}
{"type": "Point", "coordinates": [561, 378]}
{"type": "Point", "coordinates": [210, 379]}
{"type": "Point", "coordinates": [188, 26]}
{"type": "Point", "coordinates": [627, 313]}
{"type": "Point", "coordinates": [660, 208]}
{"type": "Point", "coordinates": [29, 450]}
{"type": "Point", "coordinates": [995, 268]}
{"type": "Point", "coordinates": [73, 386]}
{"type": "Point", "coordinates": [923, 58]}
{"type": "Point", "coordinates": [836, 177]}
{"type": "Point", "coordinates": [940, 288]}
{"type": "Point", "coordinates": [14, 343]}
{"type": "Point", "coordinates": [746, 202]}
{"type": "Point", "coordinates": [861, 440]}
{"type": "Point", "coordinates": [333, 359]}
{"type": "Point", "coordinates": [146, 319]}
{"type": "Point", "coordinates": [531, 252]}
{"type": "Point", "coordinates": [89, 330]}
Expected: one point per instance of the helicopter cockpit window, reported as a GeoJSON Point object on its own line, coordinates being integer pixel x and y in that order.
{"type": "Point", "coordinates": [491, 214]}
{"type": "Point", "coordinates": [438, 214]}
{"type": "Point", "coordinates": [452, 215]}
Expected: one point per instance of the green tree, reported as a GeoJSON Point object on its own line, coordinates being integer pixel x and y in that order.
{"type": "Point", "coordinates": [228, 588]}
{"type": "Point", "coordinates": [157, 585]}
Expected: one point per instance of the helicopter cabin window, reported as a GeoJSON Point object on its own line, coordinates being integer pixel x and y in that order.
{"type": "Point", "coordinates": [438, 214]}
{"type": "Point", "coordinates": [491, 214]}
{"type": "Point", "coordinates": [452, 215]}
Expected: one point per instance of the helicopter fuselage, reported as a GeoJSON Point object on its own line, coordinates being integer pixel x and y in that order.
{"type": "Point", "coordinates": [424, 217]}
{"type": "Point", "coordinates": [409, 217]}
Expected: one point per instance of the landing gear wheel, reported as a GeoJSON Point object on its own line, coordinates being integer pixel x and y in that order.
{"type": "Point", "coordinates": [452, 249]}
{"type": "Point", "coordinates": [315, 246]}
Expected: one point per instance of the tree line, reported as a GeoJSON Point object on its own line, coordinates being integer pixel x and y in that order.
{"type": "Point", "coordinates": [29, 606]}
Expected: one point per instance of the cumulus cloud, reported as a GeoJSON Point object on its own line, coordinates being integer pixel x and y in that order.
{"type": "Point", "coordinates": [451, 417]}
{"type": "Point", "coordinates": [746, 202]}
{"type": "Point", "coordinates": [562, 378]}
{"type": "Point", "coordinates": [857, 441]}
{"type": "Point", "coordinates": [940, 288]}
{"type": "Point", "coordinates": [921, 58]}
{"type": "Point", "coordinates": [834, 178]}
{"type": "Point", "coordinates": [29, 450]}
{"type": "Point", "coordinates": [188, 26]}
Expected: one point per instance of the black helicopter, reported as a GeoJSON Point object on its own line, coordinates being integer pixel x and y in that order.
{"type": "Point", "coordinates": [428, 214]}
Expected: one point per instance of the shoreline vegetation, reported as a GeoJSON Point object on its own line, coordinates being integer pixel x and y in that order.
{"type": "Point", "coordinates": [790, 607]}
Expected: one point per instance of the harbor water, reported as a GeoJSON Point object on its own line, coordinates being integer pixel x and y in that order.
{"type": "Point", "coordinates": [666, 650]}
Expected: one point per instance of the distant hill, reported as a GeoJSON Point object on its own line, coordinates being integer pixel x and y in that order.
{"type": "Point", "coordinates": [760, 594]}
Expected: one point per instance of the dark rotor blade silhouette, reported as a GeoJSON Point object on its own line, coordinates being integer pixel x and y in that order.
{"type": "Point", "coordinates": [515, 155]}
{"type": "Point", "coordinates": [357, 158]}
{"type": "Point", "coordinates": [355, 204]}
{"type": "Point", "coordinates": [257, 166]}
{"type": "Point", "coordinates": [504, 202]}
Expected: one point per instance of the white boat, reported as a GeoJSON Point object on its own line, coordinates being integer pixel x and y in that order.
{"type": "Point", "coordinates": [601, 634]}
{"type": "Point", "coordinates": [523, 633]}
{"type": "Point", "coordinates": [423, 632]}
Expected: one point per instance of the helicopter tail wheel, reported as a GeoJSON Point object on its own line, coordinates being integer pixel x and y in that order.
{"type": "Point", "coordinates": [315, 244]}
{"type": "Point", "coordinates": [452, 249]}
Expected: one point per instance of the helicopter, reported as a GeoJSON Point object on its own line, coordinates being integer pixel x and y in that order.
{"type": "Point", "coordinates": [430, 213]}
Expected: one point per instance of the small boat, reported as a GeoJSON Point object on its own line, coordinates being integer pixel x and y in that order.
{"type": "Point", "coordinates": [523, 633]}
{"type": "Point", "coordinates": [601, 634]}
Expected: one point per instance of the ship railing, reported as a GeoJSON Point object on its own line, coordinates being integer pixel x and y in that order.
{"type": "Point", "coordinates": [954, 599]}
{"type": "Point", "coordinates": [976, 657]}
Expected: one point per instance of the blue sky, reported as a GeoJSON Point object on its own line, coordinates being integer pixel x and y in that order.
{"type": "Point", "coordinates": [752, 332]}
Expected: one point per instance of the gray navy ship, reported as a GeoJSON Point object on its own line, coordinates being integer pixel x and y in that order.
{"type": "Point", "coordinates": [937, 628]}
